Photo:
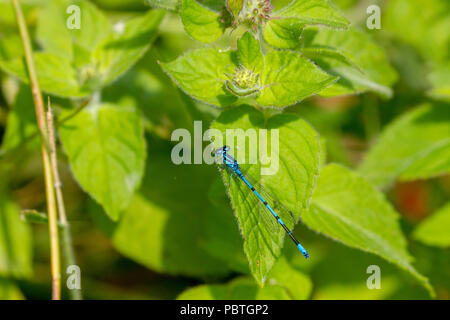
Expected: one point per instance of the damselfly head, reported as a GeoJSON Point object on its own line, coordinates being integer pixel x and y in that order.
{"type": "Point", "coordinates": [222, 149]}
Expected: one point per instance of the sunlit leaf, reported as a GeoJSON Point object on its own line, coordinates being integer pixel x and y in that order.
{"type": "Point", "coordinates": [106, 149]}
{"type": "Point", "coordinates": [285, 283]}
{"type": "Point", "coordinates": [164, 4]}
{"type": "Point", "coordinates": [435, 230]}
{"type": "Point", "coordinates": [440, 82]}
{"type": "Point", "coordinates": [80, 61]}
{"type": "Point", "coordinates": [421, 23]}
{"type": "Point", "coordinates": [292, 184]}
{"type": "Point", "coordinates": [415, 146]}
{"type": "Point", "coordinates": [348, 209]}
{"type": "Point", "coordinates": [9, 290]}
{"type": "Point", "coordinates": [164, 228]}
{"type": "Point", "coordinates": [283, 31]}
{"type": "Point", "coordinates": [55, 73]}
{"type": "Point", "coordinates": [123, 48]}
{"type": "Point", "coordinates": [235, 7]}
{"type": "Point", "coordinates": [352, 56]}
{"type": "Point", "coordinates": [15, 241]}
{"type": "Point", "coordinates": [201, 73]}
{"type": "Point", "coordinates": [287, 77]}
{"type": "Point", "coordinates": [21, 121]}
{"type": "Point", "coordinates": [200, 23]}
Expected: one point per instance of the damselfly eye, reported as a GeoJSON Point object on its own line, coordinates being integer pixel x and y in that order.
{"type": "Point", "coordinates": [222, 149]}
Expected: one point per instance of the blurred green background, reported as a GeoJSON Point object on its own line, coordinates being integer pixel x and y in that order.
{"type": "Point", "coordinates": [179, 233]}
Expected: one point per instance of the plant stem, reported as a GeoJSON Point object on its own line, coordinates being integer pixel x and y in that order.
{"type": "Point", "coordinates": [66, 237]}
{"type": "Point", "coordinates": [40, 115]}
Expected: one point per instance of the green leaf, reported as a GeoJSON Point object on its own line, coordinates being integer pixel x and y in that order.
{"type": "Point", "coordinates": [106, 150]}
{"type": "Point", "coordinates": [298, 160]}
{"type": "Point", "coordinates": [200, 22]}
{"type": "Point", "coordinates": [10, 45]}
{"type": "Point", "coordinates": [15, 241]}
{"type": "Point", "coordinates": [249, 53]}
{"type": "Point", "coordinates": [435, 231]}
{"type": "Point", "coordinates": [283, 33]}
{"type": "Point", "coordinates": [122, 49]}
{"type": "Point", "coordinates": [9, 290]}
{"type": "Point", "coordinates": [289, 78]}
{"type": "Point", "coordinates": [201, 73]}
{"type": "Point", "coordinates": [53, 17]}
{"type": "Point", "coordinates": [79, 62]}
{"type": "Point", "coordinates": [334, 279]}
{"type": "Point", "coordinates": [21, 122]}
{"type": "Point", "coordinates": [297, 285]}
{"type": "Point", "coordinates": [238, 289]}
{"type": "Point", "coordinates": [284, 77]}
{"type": "Point", "coordinates": [427, 24]}
{"type": "Point", "coordinates": [154, 95]}
{"type": "Point", "coordinates": [234, 7]}
{"type": "Point", "coordinates": [350, 54]}
{"type": "Point", "coordinates": [55, 74]}
{"type": "Point", "coordinates": [440, 82]}
{"type": "Point", "coordinates": [285, 29]}
{"type": "Point", "coordinates": [94, 26]}
{"type": "Point", "coordinates": [348, 209]}
{"type": "Point", "coordinates": [223, 240]}
{"type": "Point", "coordinates": [165, 226]}
{"type": "Point", "coordinates": [165, 4]}
{"type": "Point", "coordinates": [415, 146]}
{"type": "Point", "coordinates": [314, 12]}
{"type": "Point", "coordinates": [285, 283]}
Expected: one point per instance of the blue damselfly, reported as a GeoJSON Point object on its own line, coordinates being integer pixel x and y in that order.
{"type": "Point", "coordinates": [270, 202]}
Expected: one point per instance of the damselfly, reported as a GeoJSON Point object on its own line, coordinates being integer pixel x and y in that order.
{"type": "Point", "coordinates": [265, 197]}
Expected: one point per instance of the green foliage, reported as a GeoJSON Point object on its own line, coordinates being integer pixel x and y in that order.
{"type": "Point", "coordinates": [234, 7]}
{"type": "Point", "coordinates": [285, 30]}
{"type": "Point", "coordinates": [285, 283]}
{"type": "Point", "coordinates": [434, 230]}
{"type": "Point", "coordinates": [164, 234]}
{"type": "Point", "coordinates": [107, 162]}
{"type": "Point", "coordinates": [9, 290]}
{"type": "Point", "coordinates": [299, 163]}
{"type": "Point", "coordinates": [15, 242]}
{"type": "Point", "coordinates": [347, 208]}
{"type": "Point", "coordinates": [21, 120]}
{"type": "Point", "coordinates": [440, 82]}
{"type": "Point", "coordinates": [415, 146]}
{"type": "Point", "coordinates": [283, 77]}
{"type": "Point", "coordinates": [164, 4]}
{"type": "Point", "coordinates": [428, 22]}
{"type": "Point", "coordinates": [360, 64]}
{"type": "Point", "coordinates": [78, 62]}
{"type": "Point", "coordinates": [199, 22]}
{"type": "Point", "coordinates": [377, 101]}
{"type": "Point", "coordinates": [201, 73]}
{"type": "Point", "coordinates": [310, 12]}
